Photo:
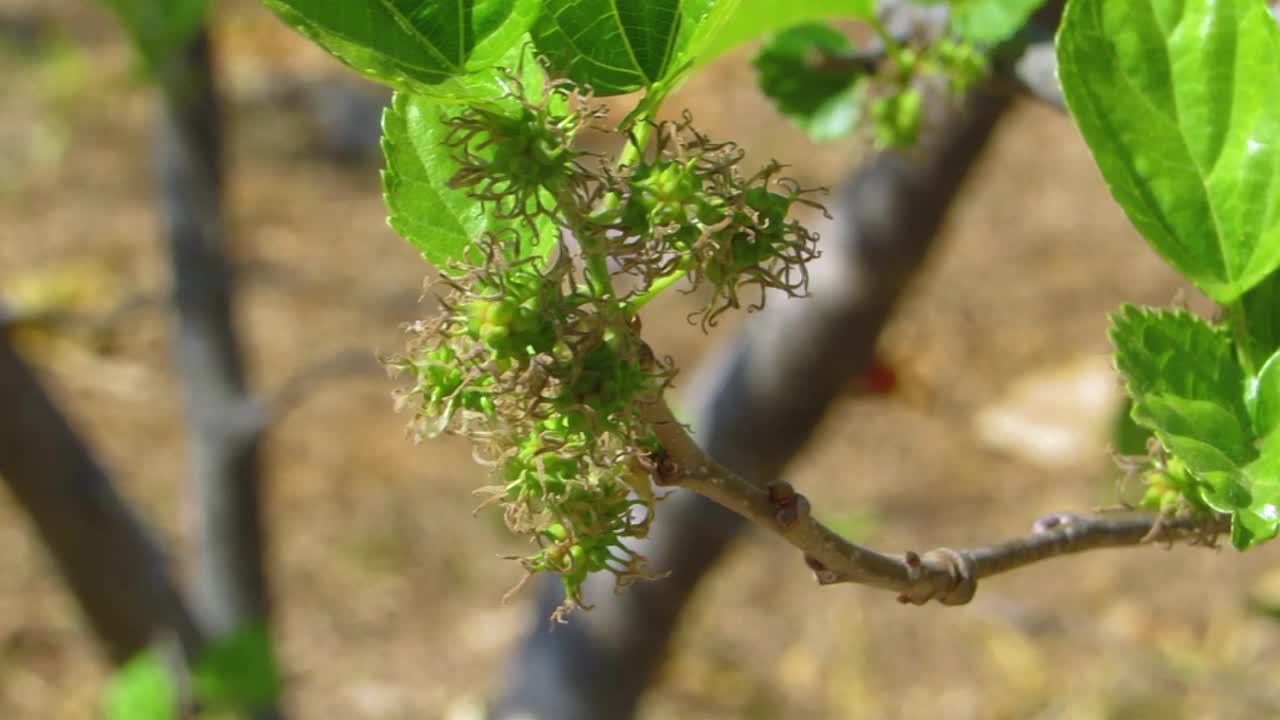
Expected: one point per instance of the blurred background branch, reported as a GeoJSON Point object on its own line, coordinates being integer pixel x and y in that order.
{"type": "Point", "coordinates": [118, 575]}
{"type": "Point", "coordinates": [225, 424]}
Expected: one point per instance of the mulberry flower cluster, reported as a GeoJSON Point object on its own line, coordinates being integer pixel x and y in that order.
{"type": "Point", "coordinates": [537, 357]}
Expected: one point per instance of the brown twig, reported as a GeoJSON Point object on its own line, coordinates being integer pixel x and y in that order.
{"type": "Point", "coordinates": [947, 575]}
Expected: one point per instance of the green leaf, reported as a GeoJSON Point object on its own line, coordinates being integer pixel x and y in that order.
{"type": "Point", "coordinates": [1127, 436]}
{"type": "Point", "coordinates": [1205, 422]}
{"type": "Point", "coordinates": [1254, 525]}
{"type": "Point", "coordinates": [989, 22]}
{"type": "Point", "coordinates": [1259, 311]}
{"type": "Point", "coordinates": [141, 690]}
{"type": "Point", "coordinates": [237, 671]}
{"type": "Point", "coordinates": [412, 45]}
{"type": "Point", "coordinates": [705, 22]}
{"type": "Point", "coordinates": [440, 222]}
{"type": "Point", "coordinates": [1176, 353]}
{"type": "Point", "coordinates": [1218, 482]}
{"type": "Point", "coordinates": [614, 46]}
{"type": "Point", "coordinates": [1261, 519]}
{"type": "Point", "coordinates": [1188, 388]}
{"type": "Point", "coordinates": [822, 102]}
{"type": "Point", "coordinates": [158, 28]}
{"type": "Point", "coordinates": [729, 24]}
{"type": "Point", "coordinates": [1179, 102]}
{"type": "Point", "coordinates": [1262, 397]}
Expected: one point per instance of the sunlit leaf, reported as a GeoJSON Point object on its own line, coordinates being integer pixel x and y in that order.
{"type": "Point", "coordinates": [987, 22]}
{"type": "Point", "coordinates": [237, 671]}
{"type": "Point", "coordinates": [1180, 104]}
{"type": "Point", "coordinates": [1263, 397]}
{"type": "Point", "coordinates": [614, 46]}
{"type": "Point", "coordinates": [731, 24]}
{"type": "Point", "coordinates": [1176, 353]}
{"type": "Point", "coordinates": [412, 45]}
{"type": "Point", "coordinates": [1201, 420]}
{"type": "Point", "coordinates": [1259, 310]}
{"type": "Point", "coordinates": [141, 689]}
{"type": "Point", "coordinates": [1261, 519]}
{"type": "Point", "coordinates": [439, 221]}
{"type": "Point", "coordinates": [823, 101]}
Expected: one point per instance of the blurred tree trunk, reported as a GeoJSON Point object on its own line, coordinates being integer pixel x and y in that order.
{"type": "Point", "coordinates": [225, 425]}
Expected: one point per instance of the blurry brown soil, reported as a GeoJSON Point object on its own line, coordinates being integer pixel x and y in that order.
{"type": "Point", "coordinates": [388, 590]}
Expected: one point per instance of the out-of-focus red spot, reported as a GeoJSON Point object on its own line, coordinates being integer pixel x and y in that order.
{"type": "Point", "coordinates": [880, 379]}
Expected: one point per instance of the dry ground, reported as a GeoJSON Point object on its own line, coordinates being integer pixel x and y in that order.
{"type": "Point", "coordinates": [388, 589]}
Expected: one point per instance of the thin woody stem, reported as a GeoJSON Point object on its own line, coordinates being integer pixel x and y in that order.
{"type": "Point", "coordinates": [947, 575]}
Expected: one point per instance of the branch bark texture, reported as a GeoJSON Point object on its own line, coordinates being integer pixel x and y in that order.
{"type": "Point", "coordinates": [947, 575]}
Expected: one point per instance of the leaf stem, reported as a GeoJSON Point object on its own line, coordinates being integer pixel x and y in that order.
{"type": "Point", "coordinates": [658, 286]}
{"type": "Point", "coordinates": [595, 262]}
{"type": "Point", "coordinates": [638, 137]}
{"type": "Point", "coordinates": [894, 49]}
{"type": "Point", "coordinates": [597, 269]}
{"type": "Point", "coordinates": [1244, 340]}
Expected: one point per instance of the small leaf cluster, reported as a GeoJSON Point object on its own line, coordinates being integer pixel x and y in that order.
{"type": "Point", "coordinates": [818, 79]}
{"type": "Point", "coordinates": [235, 675]}
{"type": "Point", "coordinates": [1217, 425]}
{"type": "Point", "coordinates": [1202, 194]}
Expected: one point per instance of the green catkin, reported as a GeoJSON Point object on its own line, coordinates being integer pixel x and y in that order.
{"type": "Point", "coordinates": [544, 371]}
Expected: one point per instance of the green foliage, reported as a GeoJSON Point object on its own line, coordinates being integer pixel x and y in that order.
{"type": "Point", "coordinates": [1188, 388]}
{"type": "Point", "coordinates": [989, 22]}
{"type": "Point", "coordinates": [1128, 438]}
{"type": "Point", "coordinates": [413, 182]}
{"type": "Point", "coordinates": [536, 355]}
{"type": "Point", "coordinates": [1177, 101]}
{"type": "Point", "coordinates": [141, 689]}
{"type": "Point", "coordinates": [409, 44]}
{"type": "Point", "coordinates": [823, 101]}
{"type": "Point", "coordinates": [612, 46]}
{"type": "Point", "coordinates": [1264, 473]}
{"type": "Point", "coordinates": [236, 673]}
{"type": "Point", "coordinates": [1259, 311]}
{"type": "Point", "coordinates": [1176, 353]}
{"type": "Point", "coordinates": [1262, 395]}
{"type": "Point", "coordinates": [1180, 104]}
{"type": "Point", "coordinates": [158, 27]}
{"type": "Point", "coordinates": [896, 119]}
{"type": "Point", "coordinates": [960, 61]}
{"type": "Point", "coordinates": [732, 23]}
{"type": "Point", "coordinates": [424, 165]}
{"type": "Point", "coordinates": [813, 76]}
